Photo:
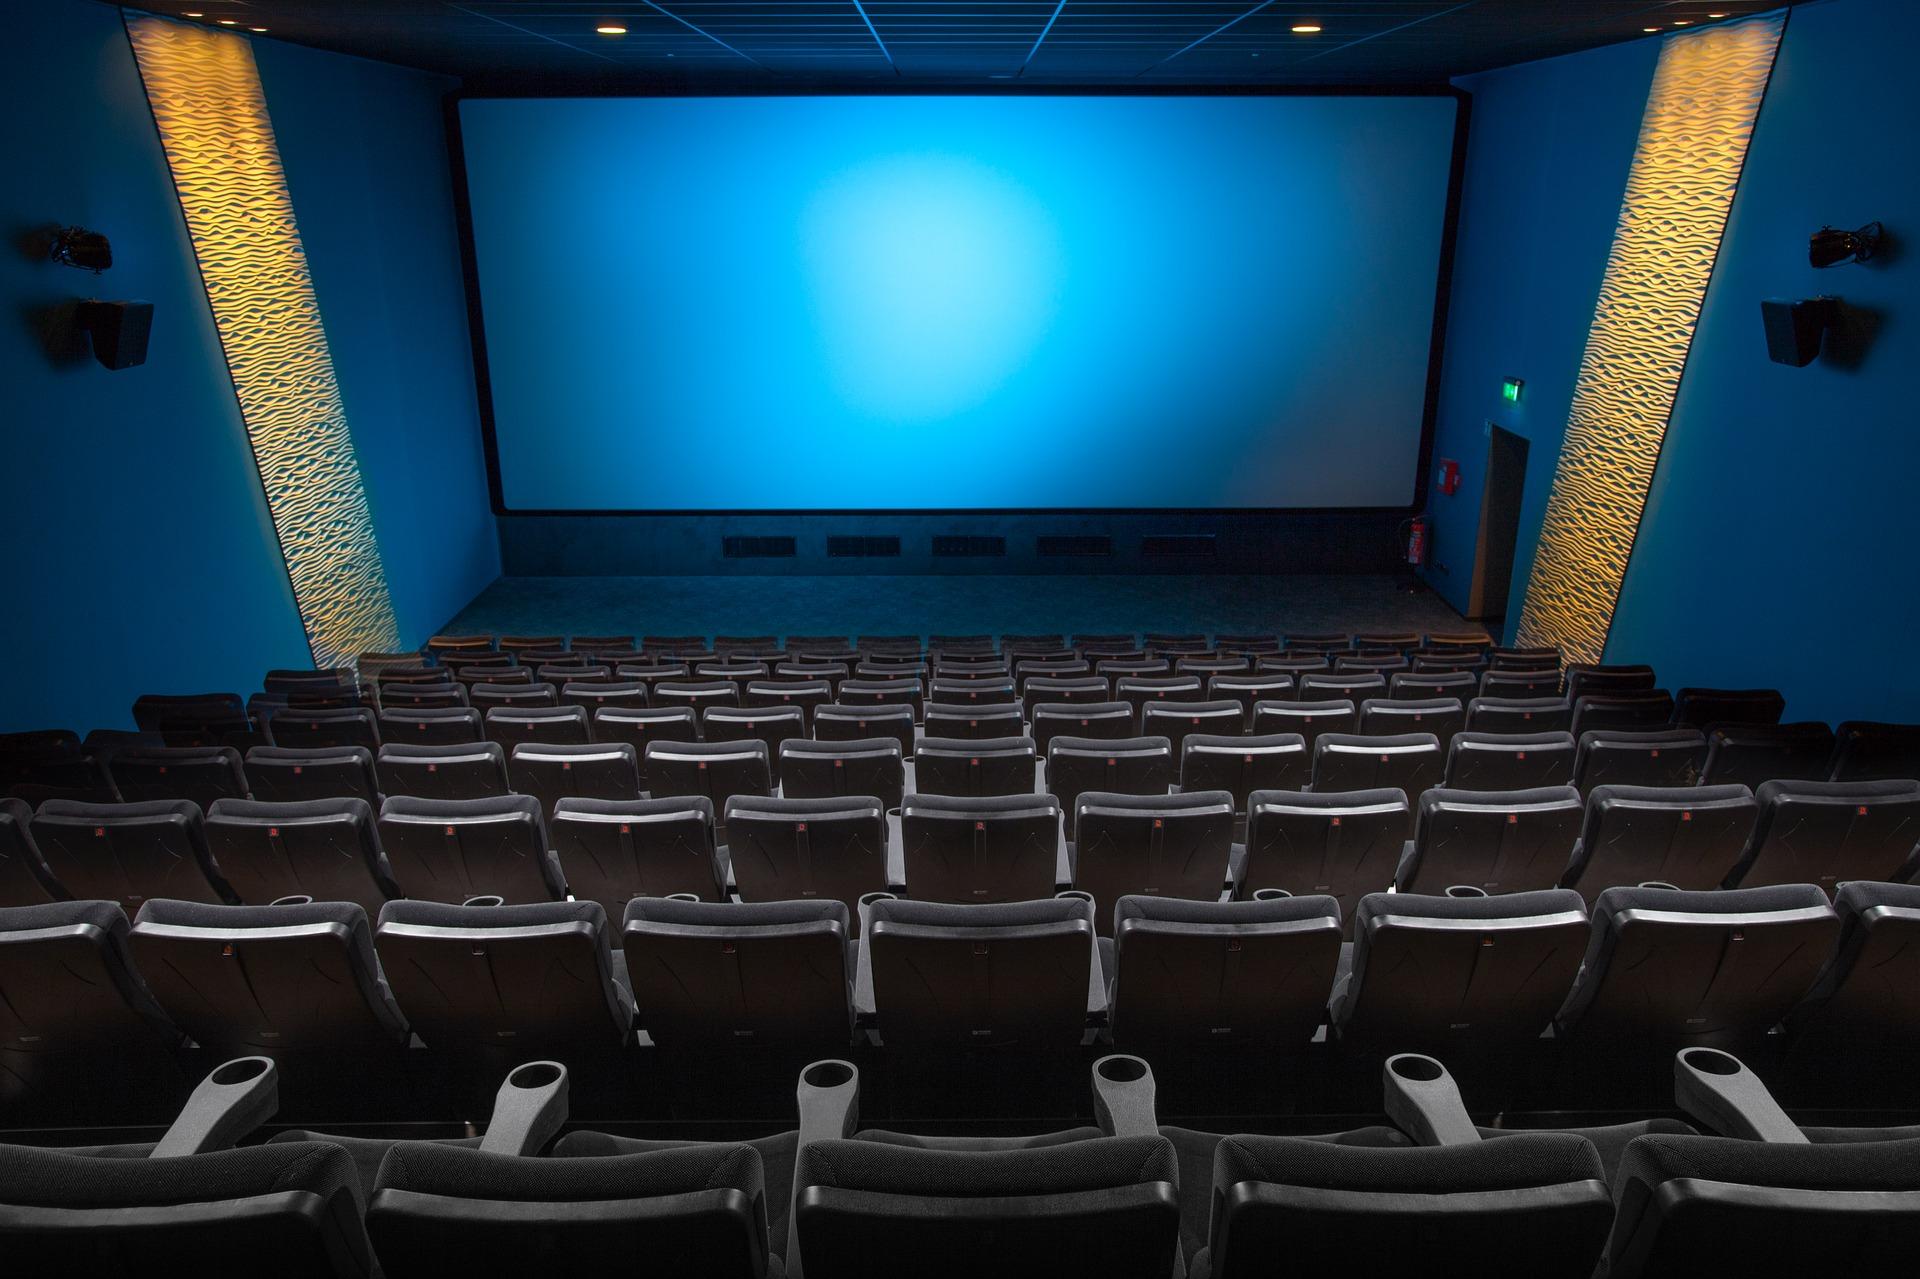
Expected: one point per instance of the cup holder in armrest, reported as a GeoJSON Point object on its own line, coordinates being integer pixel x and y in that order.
{"type": "Point", "coordinates": [868, 899]}
{"type": "Point", "coordinates": [528, 1111]}
{"type": "Point", "coordinates": [237, 1097]}
{"type": "Point", "coordinates": [1424, 1102]}
{"type": "Point", "coordinates": [1123, 1096]}
{"type": "Point", "coordinates": [1718, 1089]}
{"type": "Point", "coordinates": [486, 899]}
{"type": "Point", "coordinates": [1270, 894]}
{"type": "Point", "coordinates": [829, 1104]}
{"type": "Point", "coordinates": [1074, 894]}
{"type": "Point", "coordinates": [1465, 890]}
{"type": "Point", "coordinates": [683, 897]}
{"type": "Point", "coordinates": [292, 899]}
{"type": "Point", "coordinates": [1658, 883]}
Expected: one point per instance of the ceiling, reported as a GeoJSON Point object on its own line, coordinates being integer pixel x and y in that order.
{"type": "Point", "coordinates": [770, 45]}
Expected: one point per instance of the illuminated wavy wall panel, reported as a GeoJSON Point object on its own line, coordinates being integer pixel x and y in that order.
{"type": "Point", "coordinates": [212, 115]}
{"type": "Point", "coordinates": [1699, 117]}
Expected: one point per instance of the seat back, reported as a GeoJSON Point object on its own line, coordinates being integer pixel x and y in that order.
{"type": "Point", "coordinates": [717, 771]}
{"type": "Point", "coordinates": [956, 766]}
{"type": "Point", "coordinates": [771, 726]}
{"type": "Point", "coordinates": [1068, 691]}
{"type": "Point", "coordinates": [1200, 975]}
{"type": "Point", "coordinates": [551, 773]}
{"type": "Point", "coordinates": [283, 774]}
{"type": "Point", "coordinates": [1152, 845]}
{"type": "Point", "coordinates": [455, 770]}
{"type": "Point", "coordinates": [1095, 718]}
{"type": "Point", "coordinates": [638, 726]}
{"type": "Point", "coordinates": [807, 694]}
{"type": "Point", "coordinates": [1826, 833]}
{"type": "Point", "coordinates": [1535, 1201]}
{"type": "Point", "coordinates": [981, 849]}
{"type": "Point", "coordinates": [728, 976]}
{"type": "Point", "coordinates": [807, 849]}
{"type": "Point", "coordinates": [818, 770]}
{"type": "Point", "coordinates": [1176, 721]}
{"type": "Point", "coordinates": [267, 979]}
{"type": "Point", "coordinates": [1105, 1207]}
{"type": "Point", "coordinates": [1248, 689]}
{"type": "Point", "coordinates": [548, 725]}
{"type": "Point", "coordinates": [1309, 719]}
{"type": "Point", "coordinates": [613, 850]}
{"type": "Point", "coordinates": [68, 983]}
{"type": "Point", "coordinates": [1868, 995]}
{"type": "Point", "coordinates": [592, 695]}
{"type": "Point", "coordinates": [1510, 761]}
{"type": "Point", "coordinates": [1667, 969]}
{"type": "Point", "coordinates": [1544, 681]}
{"type": "Point", "coordinates": [24, 877]}
{"type": "Point", "coordinates": [522, 693]}
{"type": "Point", "coordinates": [1519, 715]}
{"type": "Point", "coordinates": [1496, 841]}
{"type": "Point", "coordinates": [127, 853]}
{"type": "Point", "coordinates": [519, 977]}
{"type": "Point", "coordinates": [1865, 751]}
{"type": "Point", "coordinates": [353, 726]}
{"type": "Point", "coordinates": [431, 725]}
{"type": "Point", "coordinates": [221, 1212]}
{"type": "Point", "coordinates": [1439, 974]}
{"type": "Point", "coordinates": [1585, 677]}
{"type": "Point", "coordinates": [1124, 766]}
{"type": "Point", "coordinates": [1644, 709]}
{"type": "Point", "coordinates": [1409, 762]}
{"type": "Point", "coordinates": [1686, 836]}
{"type": "Point", "coordinates": [1343, 845]}
{"type": "Point", "coordinates": [982, 722]}
{"type": "Point", "coordinates": [1355, 687]}
{"type": "Point", "coordinates": [1242, 765]}
{"type": "Point", "coordinates": [1751, 755]}
{"type": "Point", "coordinates": [1387, 716]}
{"type": "Point", "coordinates": [1692, 1205]}
{"type": "Point", "coordinates": [839, 722]}
{"type": "Point", "coordinates": [451, 850]}
{"type": "Point", "coordinates": [325, 849]}
{"type": "Point", "coordinates": [1015, 977]}
{"type": "Point", "coordinates": [1705, 707]}
{"type": "Point", "coordinates": [201, 774]}
{"type": "Point", "coordinates": [1638, 757]}
{"type": "Point", "coordinates": [905, 691]}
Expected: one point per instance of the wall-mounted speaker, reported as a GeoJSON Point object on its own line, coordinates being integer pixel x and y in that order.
{"type": "Point", "coordinates": [119, 331]}
{"type": "Point", "coordinates": [1795, 329]}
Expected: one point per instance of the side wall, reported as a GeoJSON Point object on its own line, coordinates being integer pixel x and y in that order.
{"type": "Point", "coordinates": [140, 553]}
{"type": "Point", "coordinates": [1770, 552]}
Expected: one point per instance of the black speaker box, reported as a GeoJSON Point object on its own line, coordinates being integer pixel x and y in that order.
{"type": "Point", "coordinates": [1794, 329]}
{"type": "Point", "coordinates": [119, 331]}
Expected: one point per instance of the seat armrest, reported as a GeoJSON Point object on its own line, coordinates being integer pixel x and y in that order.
{"type": "Point", "coordinates": [237, 1097]}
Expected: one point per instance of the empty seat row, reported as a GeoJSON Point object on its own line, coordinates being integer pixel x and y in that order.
{"type": "Point", "coordinates": [1647, 971]}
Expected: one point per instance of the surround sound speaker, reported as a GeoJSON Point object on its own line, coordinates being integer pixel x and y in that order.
{"type": "Point", "coordinates": [1795, 329]}
{"type": "Point", "coordinates": [119, 331]}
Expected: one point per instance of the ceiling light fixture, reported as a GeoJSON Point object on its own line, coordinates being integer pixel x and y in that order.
{"type": "Point", "coordinates": [259, 30]}
{"type": "Point", "coordinates": [229, 22]}
{"type": "Point", "coordinates": [611, 31]}
{"type": "Point", "coordinates": [1650, 30]}
{"type": "Point", "coordinates": [1306, 29]}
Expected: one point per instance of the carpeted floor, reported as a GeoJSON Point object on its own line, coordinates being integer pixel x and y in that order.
{"type": "Point", "coordinates": [957, 605]}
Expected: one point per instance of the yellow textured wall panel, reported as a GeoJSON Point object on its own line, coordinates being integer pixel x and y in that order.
{"type": "Point", "coordinates": [212, 115]}
{"type": "Point", "coordinates": [1706, 93]}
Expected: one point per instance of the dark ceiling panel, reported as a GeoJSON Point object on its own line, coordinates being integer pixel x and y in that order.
{"type": "Point", "coordinates": [768, 45]}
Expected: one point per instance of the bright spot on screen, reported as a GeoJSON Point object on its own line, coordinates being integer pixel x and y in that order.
{"type": "Point", "coordinates": [934, 280]}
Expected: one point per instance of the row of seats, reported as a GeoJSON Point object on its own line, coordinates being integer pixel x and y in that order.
{"type": "Point", "coordinates": [1647, 970]}
{"type": "Point", "coordinates": [1756, 1194]}
{"type": "Point", "coordinates": [987, 848]}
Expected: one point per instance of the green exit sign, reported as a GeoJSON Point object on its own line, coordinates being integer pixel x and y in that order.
{"type": "Point", "coordinates": [1510, 390]}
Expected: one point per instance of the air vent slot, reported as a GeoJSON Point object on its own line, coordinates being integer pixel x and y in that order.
{"type": "Point", "coordinates": [955, 546]}
{"type": "Point", "coordinates": [757, 548]}
{"type": "Point", "coordinates": [862, 547]}
{"type": "Point", "coordinates": [1185, 545]}
{"type": "Point", "coordinates": [1075, 546]}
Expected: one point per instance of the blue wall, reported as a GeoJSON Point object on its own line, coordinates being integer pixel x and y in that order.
{"type": "Point", "coordinates": [1776, 549]}
{"type": "Point", "coordinates": [1547, 160]}
{"type": "Point", "coordinates": [139, 553]}
{"type": "Point", "coordinates": [1772, 551]}
{"type": "Point", "coordinates": [365, 149]}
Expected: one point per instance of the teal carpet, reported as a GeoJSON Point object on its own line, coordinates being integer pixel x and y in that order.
{"type": "Point", "coordinates": [955, 605]}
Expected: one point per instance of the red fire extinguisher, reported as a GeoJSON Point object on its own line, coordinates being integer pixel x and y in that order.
{"type": "Point", "coordinates": [1417, 541]}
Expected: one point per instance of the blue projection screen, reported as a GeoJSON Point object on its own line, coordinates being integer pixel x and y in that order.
{"type": "Point", "coordinates": [928, 303]}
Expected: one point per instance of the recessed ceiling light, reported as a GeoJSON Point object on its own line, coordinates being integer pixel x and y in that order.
{"type": "Point", "coordinates": [611, 31]}
{"type": "Point", "coordinates": [1650, 30]}
{"type": "Point", "coordinates": [1306, 29]}
{"type": "Point", "coordinates": [261, 30]}
{"type": "Point", "coordinates": [1684, 22]}
{"type": "Point", "coordinates": [229, 22]}
{"type": "Point", "coordinates": [193, 15]}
